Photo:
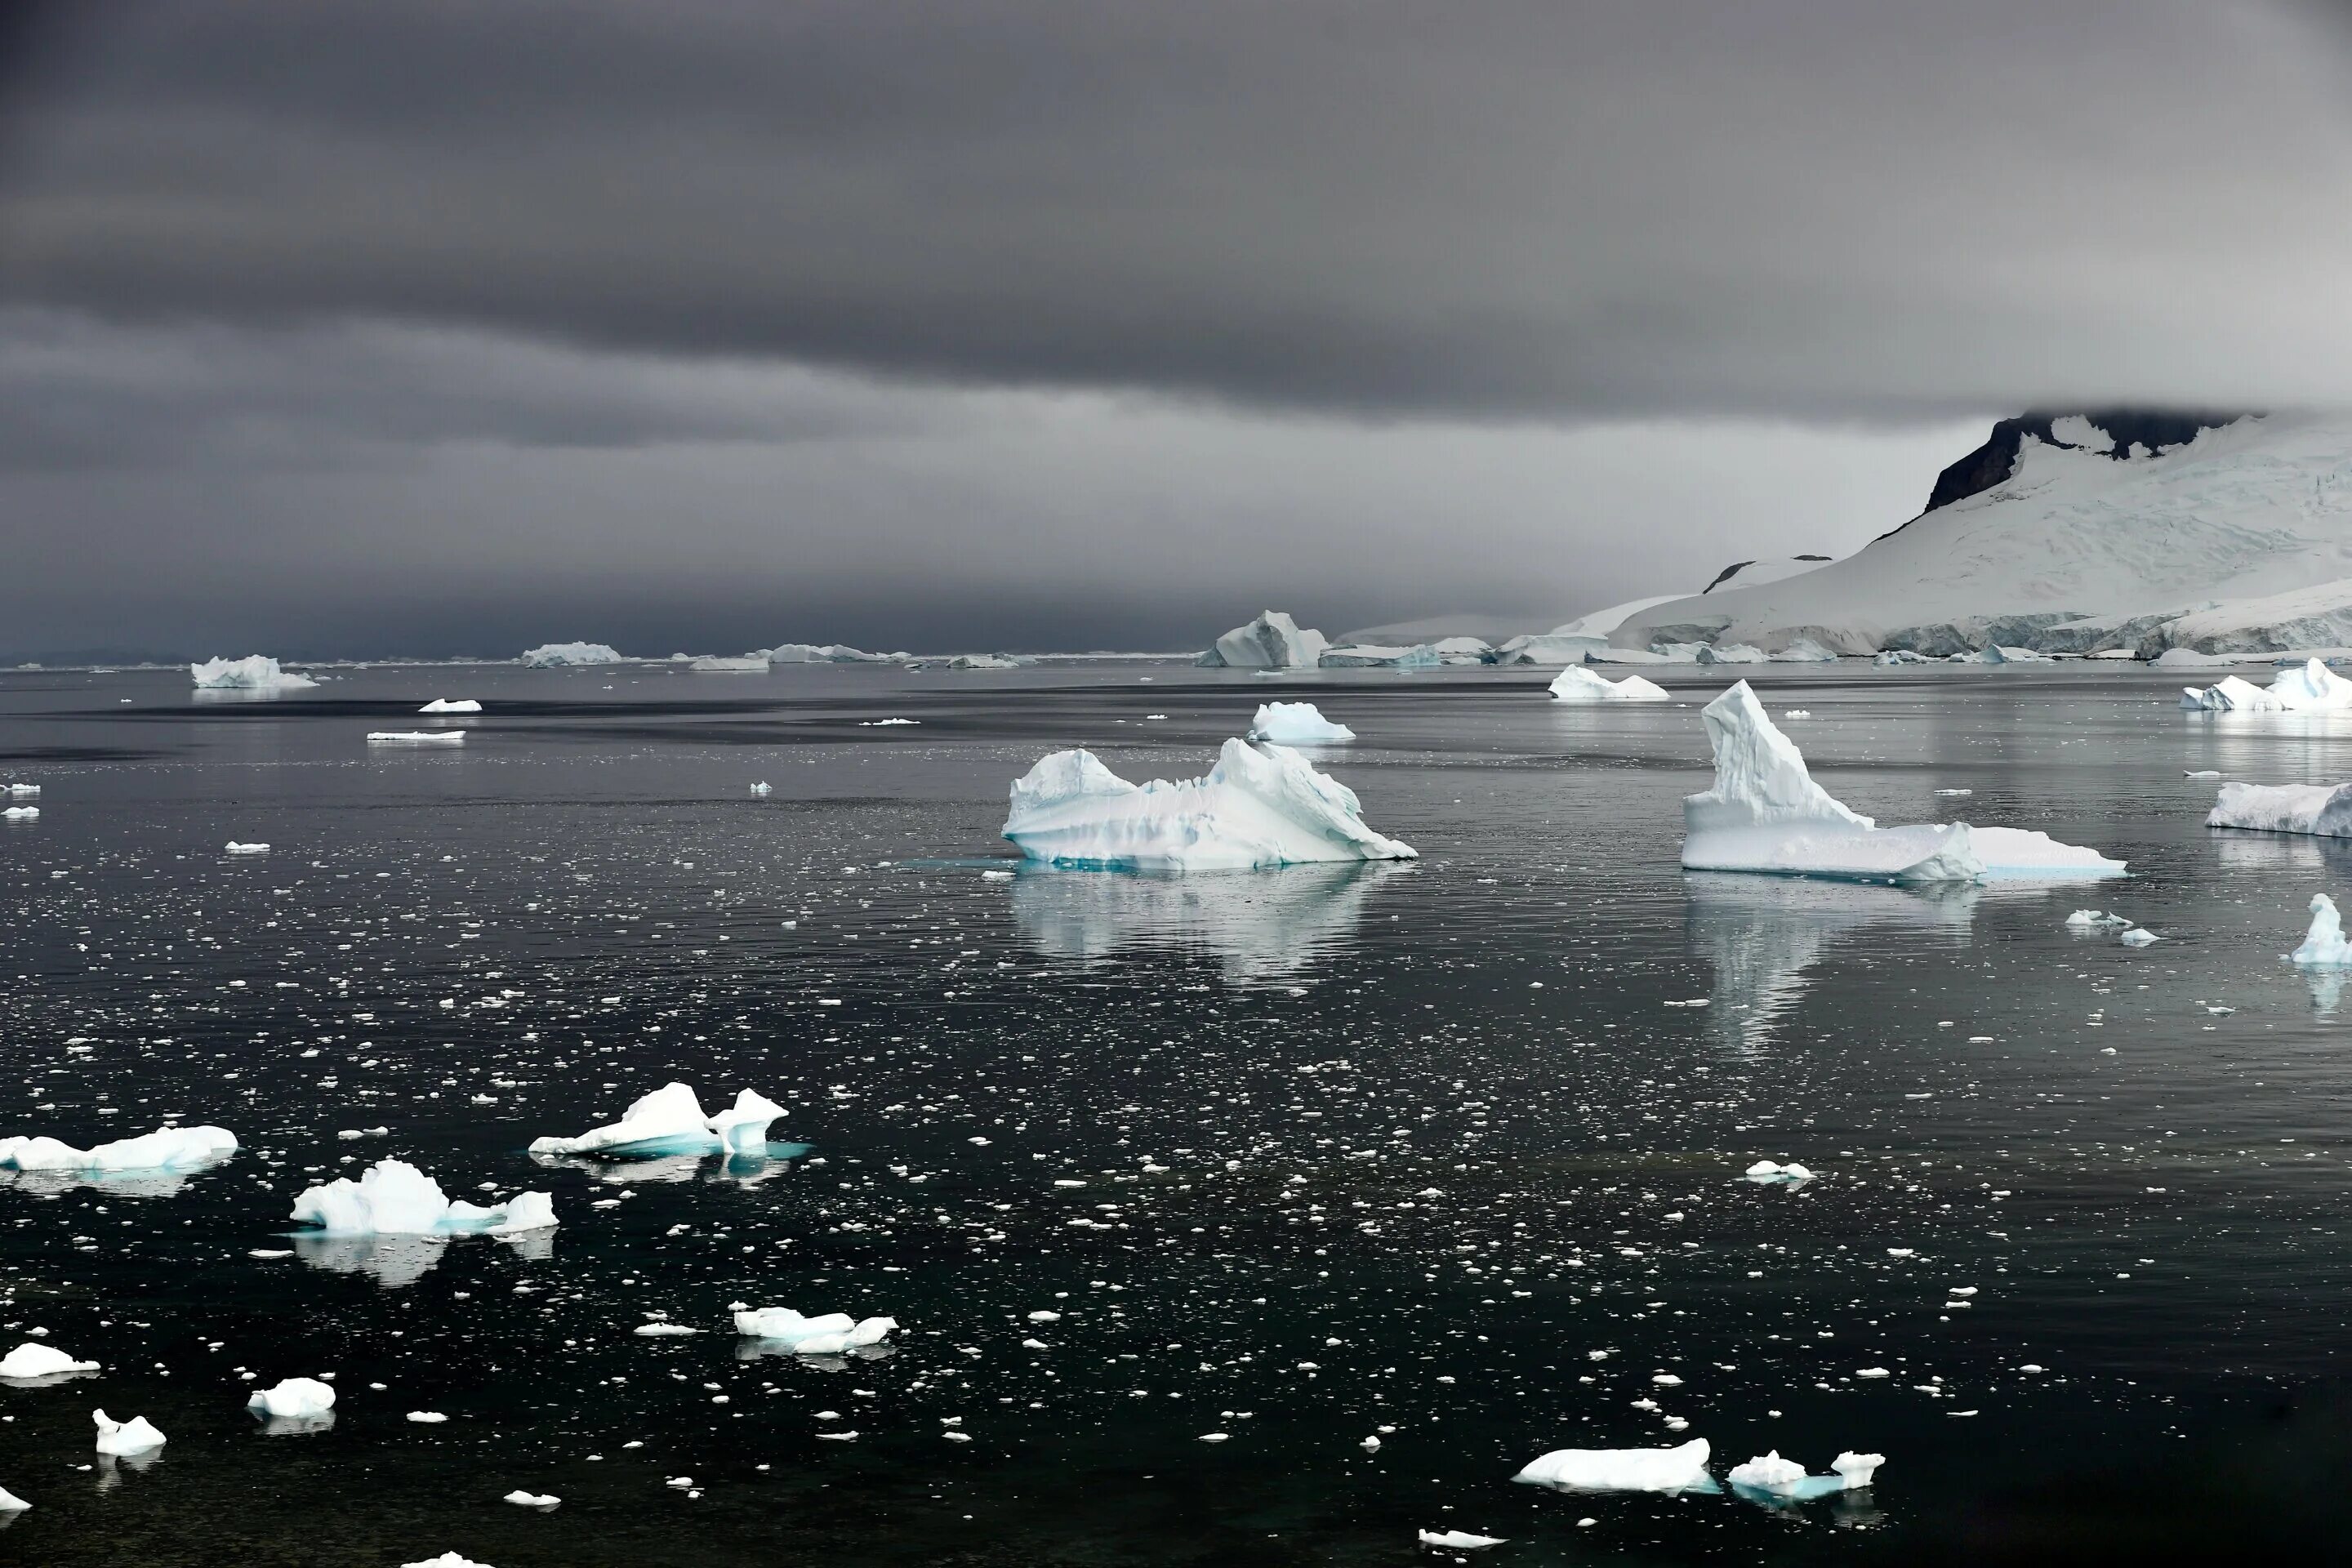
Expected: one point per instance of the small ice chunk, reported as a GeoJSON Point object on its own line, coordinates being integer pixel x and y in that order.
{"type": "Point", "coordinates": [2324, 946]}
{"type": "Point", "coordinates": [1771, 1473]}
{"type": "Point", "coordinates": [1857, 1468]}
{"type": "Point", "coordinates": [1296, 724]}
{"type": "Point", "coordinates": [135, 1436]}
{"type": "Point", "coordinates": [1214, 1437]}
{"type": "Point", "coordinates": [663, 1331]}
{"type": "Point", "coordinates": [2138, 936]}
{"type": "Point", "coordinates": [1676, 1469]}
{"type": "Point", "coordinates": [446, 1560]}
{"type": "Point", "coordinates": [1460, 1540]}
{"type": "Point", "coordinates": [30, 1360]}
{"type": "Point", "coordinates": [521, 1499]}
{"type": "Point", "coordinates": [763, 788]}
{"type": "Point", "coordinates": [427, 1417]}
{"type": "Point", "coordinates": [234, 848]}
{"type": "Point", "coordinates": [295, 1399]}
{"type": "Point", "coordinates": [2094, 920]}
{"type": "Point", "coordinates": [553, 655]}
{"type": "Point", "coordinates": [829, 1334]}
{"type": "Point", "coordinates": [1767, 1171]}
{"type": "Point", "coordinates": [19, 812]}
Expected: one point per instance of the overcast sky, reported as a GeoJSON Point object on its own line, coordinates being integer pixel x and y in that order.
{"type": "Point", "coordinates": [440, 326]}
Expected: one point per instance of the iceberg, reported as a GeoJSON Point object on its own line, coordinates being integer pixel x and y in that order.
{"type": "Point", "coordinates": [1578, 684]}
{"type": "Point", "coordinates": [1549, 649]}
{"type": "Point", "coordinates": [136, 1435]}
{"type": "Point", "coordinates": [1805, 650]}
{"type": "Point", "coordinates": [1296, 724]}
{"type": "Point", "coordinates": [256, 672]}
{"type": "Point", "coordinates": [550, 656]}
{"type": "Point", "coordinates": [1901, 656]}
{"type": "Point", "coordinates": [2231, 694]}
{"type": "Point", "coordinates": [833, 1334]}
{"type": "Point", "coordinates": [19, 812]}
{"type": "Point", "coordinates": [166, 1149]}
{"type": "Point", "coordinates": [828, 653]}
{"type": "Point", "coordinates": [983, 661]}
{"type": "Point", "coordinates": [1376, 655]}
{"type": "Point", "coordinates": [395, 1198]}
{"type": "Point", "coordinates": [1765, 1171]}
{"type": "Point", "coordinates": [11, 1503]}
{"type": "Point", "coordinates": [446, 1560]}
{"type": "Point", "coordinates": [1781, 1479]}
{"type": "Point", "coordinates": [1273, 641]}
{"type": "Point", "coordinates": [416, 737]}
{"type": "Point", "coordinates": [1459, 1540]}
{"type": "Point", "coordinates": [234, 848]}
{"type": "Point", "coordinates": [756, 663]}
{"type": "Point", "coordinates": [2324, 946]}
{"type": "Point", "coordinates": [295, 1399]}
{"type": "Point", "coordinates": [1766, 813]}
{"type": "Point", "coordinates": [2309, 687]}
{"type": "Point", "coordinates": [2323, 810]}
{"type": "Point", "coordinates": [671, 1120]}
{"type": "Point", "coordinates": [30, 1360]}
{"type": "Point", "coordinates": [1263, 805]}
{"type": "Point", "coordinates": [1623, 1469]}
{"type": "Point", "coordinates": [445, 705]}
{"type": "Point", "coordinates": [1729, 653]}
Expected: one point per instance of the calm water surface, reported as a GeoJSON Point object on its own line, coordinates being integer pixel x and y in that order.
{"type": "Point", "coordinates": [1441, 1153]}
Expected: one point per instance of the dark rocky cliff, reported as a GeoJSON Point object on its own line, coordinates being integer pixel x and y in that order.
{"type": "Point", "coordinates": [1989, 465]}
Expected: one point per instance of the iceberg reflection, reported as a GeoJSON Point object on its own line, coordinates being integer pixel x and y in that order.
{"type": "Point", "coordinates": [1261, 926]}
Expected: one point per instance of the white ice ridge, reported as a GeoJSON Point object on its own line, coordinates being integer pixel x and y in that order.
{"type": "Point", "coordinates": [135, 1436]}
{"type": "Point", "coordinates": [1578, 684]}
{"type": "Point", "coordinates": [1766, 813]}
{"type": "Point", "coordinates": [2307, 687]}
{"type": "Point", "coordinates": [2322, 809]}
{"type": "Point", "coordinates": [395, 1198]}
{"type": "Point", "coordinates": [296, 1398]}
{"type": "Point", "coordinates": [29, 1360]}
{"type": "Point", "coordinates": [166, 1149]}
{"type": "Point", "coordinates": [1623, 1469]}
{"type": "Point", "coordinates": [549, 655]}
{"type": "Point", "coordinates": [829, 1334]}
{"type": "Point", "coordinates": [1782, 1477]}
{"type": "Point", "coordinates": [1296, 724]}
{"type": "Point", "coordinates": [256, 672]}
{"type": "Point", "coordinates": [446, 705]}
{"type": "Point", "coordinates": [671, 1120]}
{"type": "Point", "coordinates": [2324, 946]}
{"type": "Point", "coordinates": [1273, 641]}
{"type": "Point", "coordinates": [1261, 806]}
{"type": "Point", "coordinates": [416, 737]}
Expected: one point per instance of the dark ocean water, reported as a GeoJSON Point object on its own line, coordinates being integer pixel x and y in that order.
{"type": "Point", "coordinates": [1420, 1151]}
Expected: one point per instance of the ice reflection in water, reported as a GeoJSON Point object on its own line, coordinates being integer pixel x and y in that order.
{"type": "Point", "coordinates": [1262, 926]}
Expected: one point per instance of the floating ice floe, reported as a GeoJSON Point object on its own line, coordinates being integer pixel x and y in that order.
{"type": "Point", "coordinates": [166, 1149]}
{"type": "Point", "coordinates": [1780, 1479]}
{"type": "Point", "coordinates": [30, 1360]}
{"type": "Point", "coordinates": [445, 705]}
{"type": "Point", "coordinates": [2140, 936]}
{"type": "Point", "coordinates": [1263, 805]}
{"type": "Point", "coordinates": [416, 737]}
{"type": "Point", "coordinates": [1767, 1171]}
{"type": "Point", "coordinates": [257, 672]}
{"type": "Point", "coordinates": [1682, 1469]}
{"type": "Point", "coordinates": [1272, 641]}
{"type": "Point", "coordinates": [234, 848]}
{"type": "Point", "coordinates": [21, 790]}
{"type": "Point", "coordinates": [833, 1334]}
{"type": "Point", "coordinates": [135, 1436]}
{"type": "Point", "coordinates": [19, 812]}
{"type": "Point", "coordinates": [1766, 813]}
{"type": "Point", "coordinates": [521, 1499]}
{"type": "Point", "coordinates": [889, 723]}
{"type": "Point", "coordinates": [2323, 810]}
{"type": "Point", "coordinates": [295, 1399]}
{"type": "Point", "coordinates": [763, 788]}
{"type": "Point", "coordinates": [2324, 946]}
{"type": "Point", "coordinates": [671, 1120]}
{"type": "Point", "coordinates": [549, 655]}
{"type": "Point", "coordinates": [1296, 724]}
{"type": "Point", "coordinates": [2094, 920]}
{"type": "Point", "coordinates": [2308, 687]}
{"type": "Point", "coordinates": [395, 1198]}
{"type": "Point", "coordinates": [1578, 684]}
{"type": "Point", "coordinates": [1460, 1540]}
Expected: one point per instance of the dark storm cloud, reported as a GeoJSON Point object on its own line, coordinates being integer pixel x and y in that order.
{"type": "Point", "coordinates": [1847, 206]}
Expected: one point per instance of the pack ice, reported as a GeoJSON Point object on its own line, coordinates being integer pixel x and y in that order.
{"type": "Point", "coordinates": [1680, 1470]}
{"type": "Point", "coordinates": [1766, 813]}
{"type": "Point", "coordinates": [1296, 724]}
{"type": "Point", "coordinates": [166, 1149]}
{"type": "Point", "coordinates": [395, 1198]}
{"type": "Point", "coordinates": [2308, 687]}
{"type": "Point", "coordinates": [832, 1333]}
{"type": "Point", "coordinates": [671, 1120]}
{"type": "Point", "coordinates": [1272, 641]}
{"type": "Point", "coordinates": [548, 656]}
{"type": "Point", "coordinates": [1578, 684]}
{"type": "Point", "coordinates": [256, 672]}
{"type": "Point", "coordinates": [1263, 805]}
{"type": "Point", "coordinates": [2324, 810]}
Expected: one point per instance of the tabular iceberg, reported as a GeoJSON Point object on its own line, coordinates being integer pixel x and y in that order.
{"type": "Point", "coordinates": [296, 1399]}
{"type": "Point", "coordinates": [1263, 805]}
{"type": "Point", "coordinates": [29, 1360]}
{"type": "Point", "coordinates": [548, 656]}
{"type": "Point", "coordinates": [396, 1198]}
{"type": "Point", "coordinates": [256, 672]}
{"type": "Point", "coordinates": [1296, 724]}
{"type": "Point", "coordinates": [1577, 684]}
{"type": "Point", "coordinates": [166, 1149]}
{"type": "Point", "coordinates": [1623, 1469]}
{"type": "Point", "coordinates": [754, 664]}
{"type": "Point", "coordinates": [833, 1333]}
{"type": "Point", "coordinates": [1766, 813]}
{"type": "Point", "coordinates": [445, 705]}
{"type": "Point", "coordinates": [2324, 946]}
{"type": "Point", "coordinates": [2324, 810]}
{"type": "Point", "coordinates": [1273, 641]}
{"type": "Point", "coordinates": [2308, 687]}
{"type": "Point", "coordinates": [671, 1120]}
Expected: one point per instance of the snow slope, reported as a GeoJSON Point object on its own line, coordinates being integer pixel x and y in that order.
{"type": "Point", "coordinates": [2239, 538]}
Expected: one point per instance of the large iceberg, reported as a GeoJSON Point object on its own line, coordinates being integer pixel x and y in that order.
{"type": "Point", "coordinates": [166, 1149]}
{"type": "Point", "coordinates": [548, 656]}
{"type": "Point", "coordinates": [671, 1120]}
{"type": "Point", "coordinates": [395, 1198]}
{"type": "Point", "coordinates": [827, 653]}
{"type": "Point", "coordinates": [1263, 805]}
{"type": "Point", "coordinates": [1578, 684]}
{"type": "Point", "coordinates": [1766, 813]}
{"type": "Point", "coordinates": [1296, 724]}
{"type": "Point", "coordinates": [2323, 810]}
{"type": "Point", "coordinates": [1548, 648]}
{"type": "Point", "coordinates": [1679, 1470]}
{"type": "Point", "coordinates": [2307, 686]}
{"type": "Point", "coordinates": [1273, 641]}
{"type": "Point", "coordinates": [256, 672]}
{"type": "Point", "coordinates": [833, 1333]}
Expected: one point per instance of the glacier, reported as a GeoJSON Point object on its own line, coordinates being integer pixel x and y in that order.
{"type": "Point", "coordinates": [255, 672]}
{"type": "Point", "coordinates": [550, 656]}
{"type": "Point", "coordinates": [393, 1197]}
{"type": "Point", "coordinates": [1296, 724]}
{"type": "Point", "coordinates": [2322, 810]}
{"type": "Point", "coordinates": [1766, 813]}
{"type": "Point", "coordinates": [1272, 641]}
{"type": "Point", "coordinates": [1677, 1470]}
{"type": "Point", "coordinates": [1577, 684]}
{"type": "Point", "coordinates": [1263, 805]}
{"type": "Point", "coordinates": [669, 1121]}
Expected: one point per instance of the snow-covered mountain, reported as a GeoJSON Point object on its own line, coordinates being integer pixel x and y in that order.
{"type": "Point", "coordinates": [2080, 533]}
